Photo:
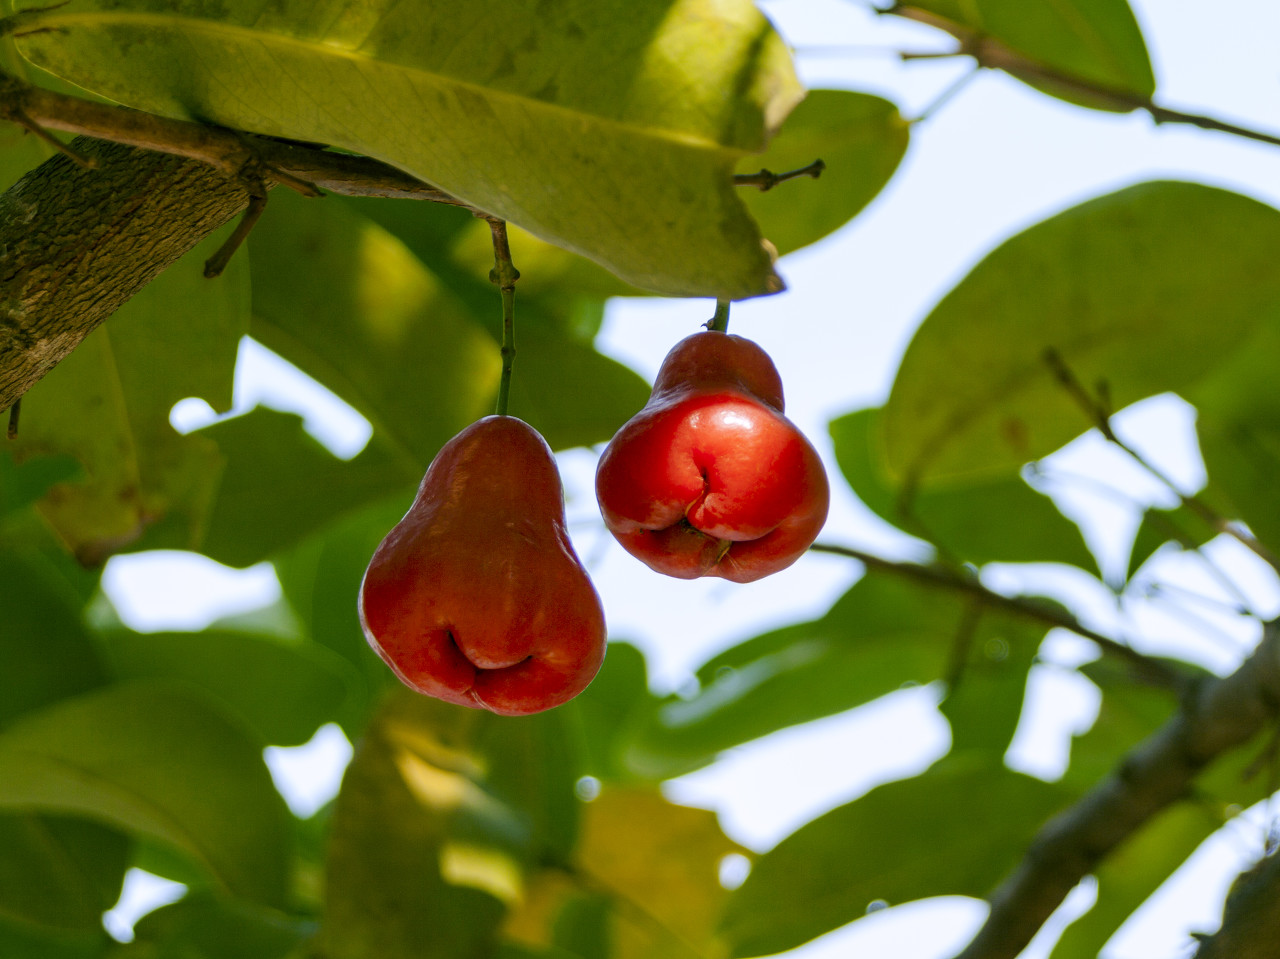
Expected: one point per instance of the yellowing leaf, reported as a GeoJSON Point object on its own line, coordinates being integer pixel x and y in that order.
{"type": "Point", "coordinates": [657, 862]}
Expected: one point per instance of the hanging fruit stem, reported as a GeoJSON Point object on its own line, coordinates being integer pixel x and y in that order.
{"type": "Point", "coordinates": [720, 322]}
{"type": "Point", "coordinates": [504, 275]}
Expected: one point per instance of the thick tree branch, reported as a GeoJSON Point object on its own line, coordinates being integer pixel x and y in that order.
{"type": "Point", "coordinates": [1216, 716]}
{"type": "Point", "coordinates": [76, 243]}
{"type": "Point", "coordinates": [937, 576]}
{"type": "Point", "coordinates": [90, 227]}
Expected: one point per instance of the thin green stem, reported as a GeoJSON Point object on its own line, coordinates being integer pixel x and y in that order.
{"type": "Point", "coordinates": [720, 322]}
{"type": "Point", "coordinates": [1100, 414]}
{"type": "Point", "coordinates": [504, 275]}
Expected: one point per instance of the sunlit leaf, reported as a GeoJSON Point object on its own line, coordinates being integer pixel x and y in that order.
{"type": "Point", "coordinates": [860, 138]}
{"type": "Point", "coordinates": [347, 303]}
{"type": "Point", "coordinates": [612, 712]}
{"type": "Point", "coordinates": [1238, 426]}
{"type": "Point", "coordinates": [984, 704]}
{"type": "Point", "coordinates": [442, 811]}
{"type": "Point", "coordinates": [611, 129]}
{"type": "Point", "coordinates": [882, 633]}
{"type": "Point", "coordinates": [976, 394]}
{"type": "Point", "coordinates": [108, 405]}
{"type": "Point", "coordinates": [282, 691]}
{"type": "Point", "coordinates": [996, 519]}
{"type": "Point", "coordinates": [59, 873]}
{"type": "Point", "coordinates": [654, 898]}
{"type": "Point", "coordinates": [954, 830]}
{"type": "Point", "coordinates": [1093, 42]}
{"type": "Point", "coordinates": [162, 762]}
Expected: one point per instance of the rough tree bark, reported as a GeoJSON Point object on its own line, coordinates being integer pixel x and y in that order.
{"type": "Point", "coordinates": [76, 243]}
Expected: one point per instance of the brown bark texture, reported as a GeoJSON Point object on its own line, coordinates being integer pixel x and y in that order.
{"type": "Point", "coordinates": [76, 244]}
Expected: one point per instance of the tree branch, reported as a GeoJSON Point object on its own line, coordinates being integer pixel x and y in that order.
{"type": "Point", "coordinates": [936, 576]}
{"type": "Point", "coordinates": [87, 229]}
{"type": "Point", "coordinates": [1218, 715]}
{"type": "Point", "coordinates": [991, 54]}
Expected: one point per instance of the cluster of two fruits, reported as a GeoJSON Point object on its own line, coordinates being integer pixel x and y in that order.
{"type": "Point", "coordinates": [476, 597]}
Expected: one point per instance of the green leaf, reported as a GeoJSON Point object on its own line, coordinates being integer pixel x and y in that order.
{"type": "Point", "coordinates": [957, 829]}
{"type": "Point", "coordinates": [108, 405]}
{"type": "Point", "coordinates": [159, 761]}
{"type": "Point", "coordinates": [985, 703]}
{"type": "Point", "coordinates": [1097, 284]}
{"type": "Point", "coordinates": [280, 485]}
{"type": "Point", "coordinates": [1132, 873]}
{"type": "Point", "coordinates": [611, 129]}
{"type": "Point", "coordinates": [59, 873]}
{"type": "Point", "coordinates": [25, 483]}
{"type": "Point", "coordinates": [47, 653]}
{"type": "Point", "coordinates": [994, 519]}
{"type": "Point", "coordinates": [861, 138]}
{"type": "Point", "coordinates": [351, 306]}
{"type": "Point", "coordinates": [202, 926]}
{"type": "Point", "coordinates": [21, 941]}
{"type": "Point", "coordinates": [320, 578]}
{"type": "Point", "coordinates": [441, 812]}
{"type": "Point", "coordinates": [283, 692]}
{"type": "Point", "coordinates": [567, 391]}
{"type": "Point", "coordinates": [632, 900]}
{"type": "Point", "coordinates": [414, 349]}
{"type": "Point", "coordinates": [612, 712]}
{"type": "Point", "coordinates": [1095, 42]}
{"type": "Point", "coordinates": [878, 636]}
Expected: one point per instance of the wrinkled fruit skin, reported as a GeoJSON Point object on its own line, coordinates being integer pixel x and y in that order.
{"type": "Point", "coordinates": [710, 479]}
{"type": "Point", "coordinates": [477, 597]}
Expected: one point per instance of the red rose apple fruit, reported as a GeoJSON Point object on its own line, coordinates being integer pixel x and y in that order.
{"type": "Point", "coordinates": [477, 597]}
{"type": "Point", "coordinates": [710, 479]}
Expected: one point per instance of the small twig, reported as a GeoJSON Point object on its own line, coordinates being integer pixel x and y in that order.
{"type": "Point", "coordinates": [504, 275]}
{"type": "Point", "coordinates": [1100, 416]}
{"type": "Point", "coordinates": [306, 169]}
{"type": "Point", "coordinates": [214, 266]}
{"type": "Point", "coordinates": [1156, 587]}
{"type": "Point", "coordinates": [767, 179]}
{"type": "Point", "coordinates": [720, 322]}
{"type": "Point", "coordinates": [18, 116]}
{"type": "Point", "coordinates": [1151, 670]}
{"type": "Point", "coordinates": [14, 411]}
{"type": "Point", "coordinates": [962, 644]}
{"type": "Point", "coordinates": [991, 54]}
{"type": "Point", "coordinates": [945, 97]}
